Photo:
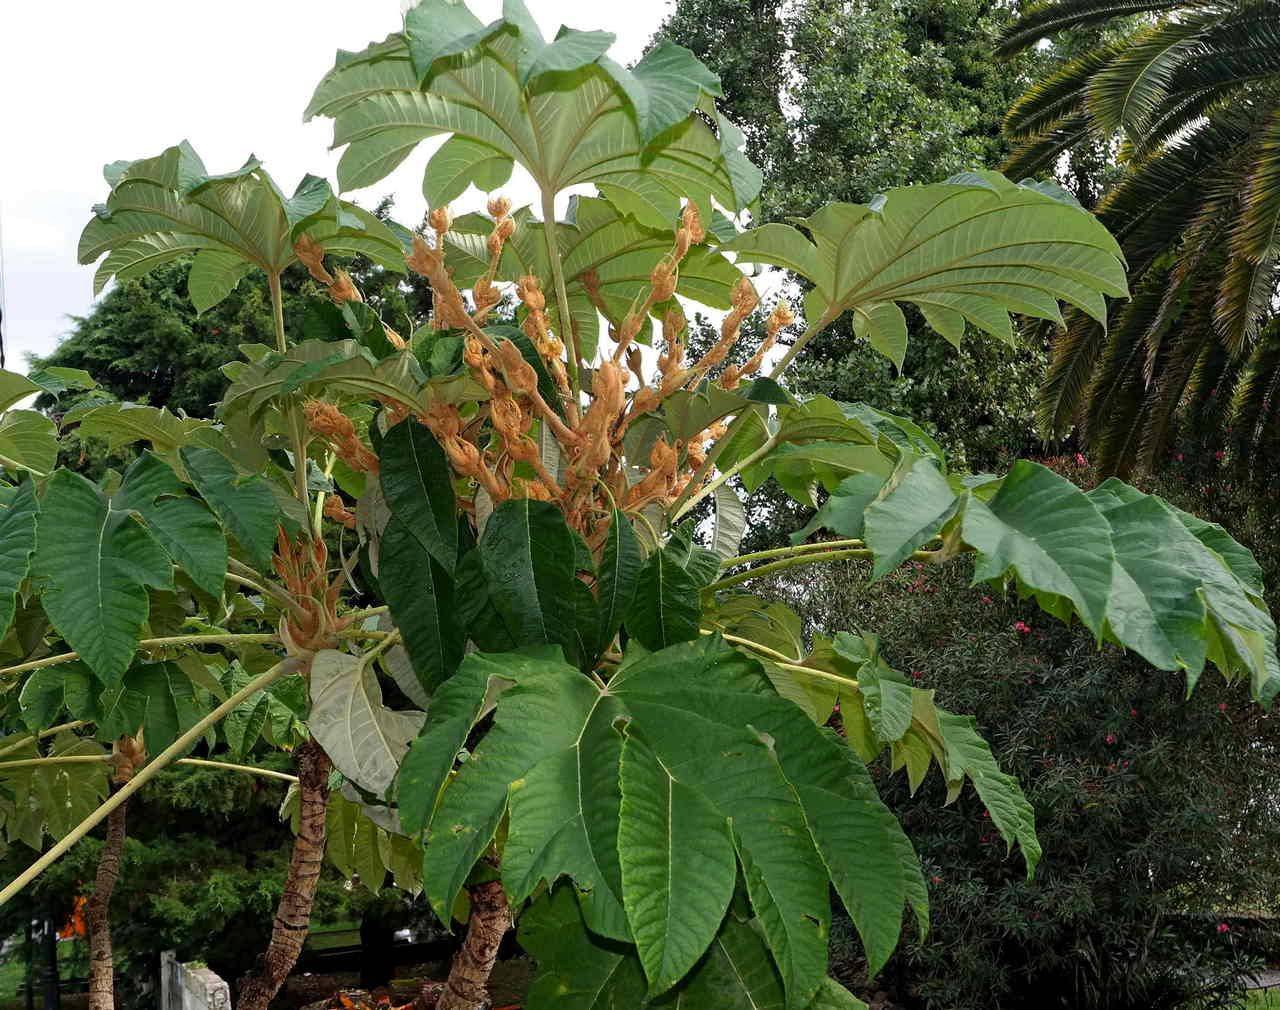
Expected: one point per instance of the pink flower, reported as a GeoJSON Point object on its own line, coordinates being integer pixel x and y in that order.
{"type": "Point", "coordinates": [1218, 455]}
{"type": "Point", "coordinates": [987, 599]}
{"type": "Point", "coordinates": [1080, 460]}
{"type": "Point", "coordinates": [1178, 457]}
{"type": "Point", "coordinates": [916, 674]}
{"type": "Point", "coordinates": [837, 707]}
{"type": "Point", "coordinates": [1222, 706]}
{"type": "Point", "coordinates": [1021, 626]}
{"type": "Point", "coordinates": [1223, 928]}
{"type": "Point", "coordinates": [1111, 738]}
{"type": "Point", "coordinates": [1133, 712]}
{"type": "Point", "coordinates": [935, 880]}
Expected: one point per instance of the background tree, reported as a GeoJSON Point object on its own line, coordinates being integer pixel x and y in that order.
{"type": "Point", "coordinates": [1192, 93]}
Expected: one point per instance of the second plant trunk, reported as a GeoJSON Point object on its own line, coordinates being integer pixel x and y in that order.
{"type": "Point", "coordinates": [468, 984]}
{"type": "Point", "coordinates": [293, 914]}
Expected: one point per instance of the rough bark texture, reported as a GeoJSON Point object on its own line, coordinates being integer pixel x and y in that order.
{"type": "Point", "coordinates": [102, 978]}
{"type": "Point", "coordinates": [468, 984]}
{"type": "Point", "coordinates": [293, 915]}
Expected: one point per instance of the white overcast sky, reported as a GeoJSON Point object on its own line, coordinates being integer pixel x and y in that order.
{"type": "Point", "coordinates": [86, 82]}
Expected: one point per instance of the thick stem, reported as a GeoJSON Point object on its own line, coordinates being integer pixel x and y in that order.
{"type": "Point", "coordinates": [781, 659]}
{"type": "Point", "coordinates": [782, 552]}
{"type": "Point", "coordinates": [265, 773]}
{"type": "Point", "coordinates": [810, 331]}
{"type": "Point", "coordinates": [293, 914]}
{"type": "Point", "coordinates": [15, 465]}
{"type": "Point", "coordinates": [51, 731]}
{"type": "Point", "coordinates": [98, 914]}
{"type": "Point", "coordinates": [803, 559]}
{"type": "Point", "coordinates": [160, 761]}
{"type": "Point", "coordinates": [150, 643]}
{"type": "Point", "coordinates": [562, 293]}
{"type": "Point", "coordinates": [468, 984]}
{"type": "Point", "coordinates": [297, 431]}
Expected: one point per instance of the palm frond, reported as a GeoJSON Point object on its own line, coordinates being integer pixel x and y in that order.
{"type": "Point", "coordinates": [1045, 20]}
{"type": "Point", "coordinates": [1039, 155]}
{"type": "Point", "coordinates": [1124, 93]}
{"type": "Point", "coordinates": [1255, 396]}
{"type": "Point", "coordinates": [1115, 431]}
{"type": "Point", "coordinates": [1257, 233]}
{"type": "Point", "coordinates": [1182, 111]}
{"type": "Point", "coordinates": [1244, 301]}
{"type": "Point", "coordinates": [1197, 267]}
{"type": "Point", "coordinates": [1114, 401]}
{"type": "Point", "coordinates": [1204, 412]}
{"type": "Point", "coordinates": [1151, 206]}
{"type": "Point", "coordinates": [1179, 352]}
{"type": "Point", "coordinates": [1075, 355]}
{"type": "Point", "coordinates": [1059, 95]}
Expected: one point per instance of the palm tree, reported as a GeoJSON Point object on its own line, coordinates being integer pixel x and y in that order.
{"type": "Point", "coordinates": [1189, 92]}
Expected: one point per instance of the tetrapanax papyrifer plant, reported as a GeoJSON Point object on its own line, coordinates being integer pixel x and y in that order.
{"type": "Point", "coordinates": [619, 750]}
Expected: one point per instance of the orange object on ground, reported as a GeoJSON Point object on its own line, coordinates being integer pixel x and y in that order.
{"type": "Point", "coordinates": [75, 925]}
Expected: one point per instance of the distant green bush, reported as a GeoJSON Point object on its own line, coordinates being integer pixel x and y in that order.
{"type": "Point", "coordinates": [1153, 827]}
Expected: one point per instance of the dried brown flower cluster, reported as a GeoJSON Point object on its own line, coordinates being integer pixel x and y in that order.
{"type": "Point", "coordinates": [312, 623]}
{"type": "Point", "coordinates": [588, 433]}
{"type": "Point", "coordinates": [329, 423]}
{"type": "Point", "coordinates": [497, 443]}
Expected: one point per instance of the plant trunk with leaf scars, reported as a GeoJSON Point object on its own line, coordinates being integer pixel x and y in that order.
{"type": "Point", "coordinates": [98, 914]}
{"type": "Point", "coordinates": [293, 914]}
{"type": "Point", "coordinates": [468, 985]}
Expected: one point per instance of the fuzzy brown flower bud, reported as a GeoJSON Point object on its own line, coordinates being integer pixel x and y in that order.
{"type": "Point", "coordinates": [673, 324]}
{"type": "Point", "coordinates": [684, 238]}
{"type": "Point", "coordinates": [499, 206]}
{"type": "Point", "coordinates": [691, 219]}
{"type": "Point", "coordinates": [423, 260]}
{"type": "Point", "coordinates": [663, 279]}
{"type": "Point", "coordinates": [529, 290]}
{"type": "Point", "coordinates": [310, 254]}
{"type": "Point", "coordinates": [464, 456]}
{"type": "Point", "coordinates": [440, 220]}
{"type": "Point", "coordinates": [339, 513]}
{"type": "Point", "coordinates": [343, 289]}
{"type": "Point", "coordinates": [518, 373]}
{"type": "Point", "coordinates": [635, 364]}
{"type": "Point", "coordinates": [444, 420]}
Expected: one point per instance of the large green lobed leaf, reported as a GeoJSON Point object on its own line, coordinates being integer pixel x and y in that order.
{"type": "Point", "coordinates": [17, 544]}
{"type": "Point", "coordinates": [93, 564]}
{"type": "Point", "coordinates": [969, 250]}
{"type": "Point", "coordinates": [169, 206]}
{"type": "Point", "coordinates": [589, 121]}
{"type": "Point", "coordinates": [651, 795]}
